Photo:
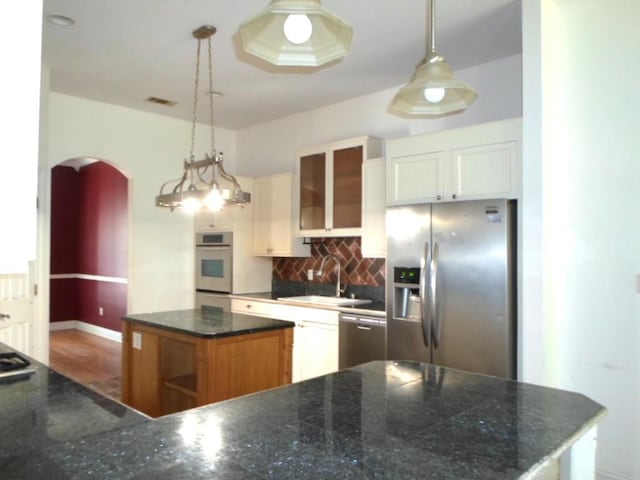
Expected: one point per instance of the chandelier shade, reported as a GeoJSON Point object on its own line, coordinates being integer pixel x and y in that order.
{"type": "Point", "coordinates": [433, 90]}
{"type": "Point", "coordinates": [296, 33]}
{"type": "Point", "coordinates": [198, 187]}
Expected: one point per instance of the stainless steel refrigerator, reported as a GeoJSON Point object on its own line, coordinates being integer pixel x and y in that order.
{"type": "Point", "coordinates": [451, 285]}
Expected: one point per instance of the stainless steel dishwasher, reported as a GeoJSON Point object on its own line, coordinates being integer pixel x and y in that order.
{"type": "Point", "coordinates": [361, 339]}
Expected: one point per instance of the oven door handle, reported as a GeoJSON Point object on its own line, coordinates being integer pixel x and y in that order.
{"type": "Point", "coordinates": [209, 247]}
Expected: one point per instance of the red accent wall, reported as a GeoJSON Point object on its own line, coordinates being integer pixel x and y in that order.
{"type": "Point", "coordinates": [63, 299]}
{"type": "Point", "coordinates": [89, 235]}
{"type": "Point", "coordinates": [103, 222]}
{"type": "Point", "coordinates": [112, 297]}
{"type": "Point", "coordinates": [65, 218]}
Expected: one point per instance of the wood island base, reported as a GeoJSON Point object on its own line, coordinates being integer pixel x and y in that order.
{"type": "Point", "coordinates": [164, 371]}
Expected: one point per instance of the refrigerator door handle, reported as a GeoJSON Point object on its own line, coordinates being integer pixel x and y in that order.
{"type": "Point", "coordinates": [434, 296]}
{"type": "Point", "coordinates": [425, 300]}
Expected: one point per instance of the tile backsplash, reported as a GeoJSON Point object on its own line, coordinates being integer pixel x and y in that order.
{"type": "Point", "coordinates": [354, 269]}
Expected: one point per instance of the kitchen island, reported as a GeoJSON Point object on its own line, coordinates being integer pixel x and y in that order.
{"type": "Point", "coordinates": [378, 420]}
{"type": "Point", "coordinates": [177, 360]}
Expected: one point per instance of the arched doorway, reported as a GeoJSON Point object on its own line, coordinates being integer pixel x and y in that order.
{"type": "Point", "coordinates": [89, 257]}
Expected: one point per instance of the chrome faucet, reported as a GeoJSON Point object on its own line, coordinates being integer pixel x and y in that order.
{"type": "Point", "coordinates": [336, 269]}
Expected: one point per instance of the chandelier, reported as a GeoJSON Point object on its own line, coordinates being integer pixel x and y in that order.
{"type": "Point", "coordinates": [198, 187]}
{"type": "Point", "coordinates": [433, 90]}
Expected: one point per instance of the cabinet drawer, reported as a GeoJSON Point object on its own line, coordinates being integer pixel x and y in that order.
{"type": "Point", "coordinates": [307, 314]}
{"type": "Point", "coordinates": [251, 307]}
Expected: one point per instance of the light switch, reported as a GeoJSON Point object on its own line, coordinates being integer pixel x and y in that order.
{"type": "Point", "coordinates": [137, 340]}
{"type": "Point", "coordinates": [638, 282]}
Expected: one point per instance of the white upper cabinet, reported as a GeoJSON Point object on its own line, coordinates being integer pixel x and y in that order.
{"type": "Point", "coordinates": [274, 231]}
{"type": "Point", "coordinates": [374, 235]}
{"type": "Point", "coordinates": [477, 162]}
{"type": "Point", "coordinates": [331, 187]}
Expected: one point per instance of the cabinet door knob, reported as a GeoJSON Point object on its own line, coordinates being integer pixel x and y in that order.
{"type": "Point", "coordinates": [439, 197]}
{"type": "Point", "coordinates": [454, 196]}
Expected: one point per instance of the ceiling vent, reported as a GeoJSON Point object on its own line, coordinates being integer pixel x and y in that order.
{"type": "Point", "coordinates": [161, 101]}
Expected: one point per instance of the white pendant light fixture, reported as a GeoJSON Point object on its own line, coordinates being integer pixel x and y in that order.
{"type": "Point", "coordinates": [433, 90]}
{"type": "Point", "coordinates": [198, 187]}
{"type": "Point", "coordinates": [296, 33]}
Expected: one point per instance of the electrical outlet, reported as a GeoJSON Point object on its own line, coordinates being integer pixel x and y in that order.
{"type": "Point", "coordinates": [310, 274]}
{"type": "Point", "coordinates": [137, 340]}
{"type": "Point", "coordinates": [100, 311]}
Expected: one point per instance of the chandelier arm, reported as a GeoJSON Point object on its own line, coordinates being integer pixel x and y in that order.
{"type": "Point", "coordinates": [228, 176]}
{"type": "Point", "coordinates": [178, 181]}
{"type": "Point", "coordinates": [201, 170]}
{"type": "Point", "coordinates": [180, 184]}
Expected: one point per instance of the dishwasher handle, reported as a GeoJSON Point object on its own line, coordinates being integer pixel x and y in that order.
{"type": "Point", "coordinates": [362, 320]}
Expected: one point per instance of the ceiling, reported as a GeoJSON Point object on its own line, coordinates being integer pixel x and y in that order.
{"type": "Point", "coordinates": [124, 51]}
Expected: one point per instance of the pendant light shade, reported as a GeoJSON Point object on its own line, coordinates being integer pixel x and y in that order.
{"type": "Point", "coordinates": [296, 33]}
{"type": "Point", "coordinates": [198, 186]}
{"type": "Point", "coordinates": [433, 90]}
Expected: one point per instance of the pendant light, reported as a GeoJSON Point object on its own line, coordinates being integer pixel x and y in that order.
{"type": "Point", "coordinates": [198, 187]}
{"type": "Point", "coordinates": [296, 33]}
{"type": "Point", "coordinates": [433, 90]}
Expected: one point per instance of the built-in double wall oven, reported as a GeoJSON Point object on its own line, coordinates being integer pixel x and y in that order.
{"type": "Point", "coordinates": [214, 265]}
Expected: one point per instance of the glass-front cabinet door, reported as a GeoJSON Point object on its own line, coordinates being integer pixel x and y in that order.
{"type": "Point", "coordinates": [347, 187]}
{"type": "Point", "coordinates": [313, 172]}
{"type": "Point", "coordinates": [331, 187]}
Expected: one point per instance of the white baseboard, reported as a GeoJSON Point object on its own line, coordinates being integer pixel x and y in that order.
{"type": "Point", "coordinates": [600, 475]}
{"type": "Point", "coordinates": [66, 325]}
{"type": "Point", "coordinates": [86, 327]}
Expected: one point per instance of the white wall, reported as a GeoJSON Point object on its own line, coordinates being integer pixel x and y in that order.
{"type": "Point", "coordinates": [20, 82]}
{"type": "Point", "coordinates": [271, 147]}
{"type": "Point", "coordinates": [150, 150]}
{"type": "Point", "coordinates": [586, 155]}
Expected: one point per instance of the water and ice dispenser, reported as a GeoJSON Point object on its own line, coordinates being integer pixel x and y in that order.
{"type": "Point", "coordinates": [406, 292]}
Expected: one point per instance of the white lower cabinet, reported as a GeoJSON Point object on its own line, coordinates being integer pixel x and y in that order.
{"type": "Point", "coordinates": [317, 349]}
{"type": "Point", "coordinates": [315, 338]}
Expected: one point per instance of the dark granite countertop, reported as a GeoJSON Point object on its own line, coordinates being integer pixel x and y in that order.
{"type": "Point", "coordinates": [46, 409]}
{"type": "Point", "coordinates": [208, 322]}
{"type": "Point", "coordinates": [375, 309]}
{"type": "Point", "coordinates": [379, 420]}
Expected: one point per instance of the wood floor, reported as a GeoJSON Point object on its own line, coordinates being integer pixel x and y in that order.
{"type": "Point", "coordinates": [88, 359]}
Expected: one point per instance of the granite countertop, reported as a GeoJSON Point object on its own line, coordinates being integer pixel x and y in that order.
{"type": "Point", "coordinates": [374, 309]}
{"type": "Point", "coordinates": [209, 322]}
{"type": "Point", "coordinates": [46, 409]}
{"type": "Point", "coordinates": [379, 420]}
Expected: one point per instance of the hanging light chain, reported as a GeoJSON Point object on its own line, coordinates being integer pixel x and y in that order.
{"type": "Point", "coordinates": [202, 189]}
{"type": "Point", "coordinates": [194, 117]}
{"type": "Point", "coordinates": [211, 115]}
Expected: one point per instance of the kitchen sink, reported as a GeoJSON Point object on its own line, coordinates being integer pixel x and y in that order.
{"type": "Point", "coordinates": [324, 300]}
